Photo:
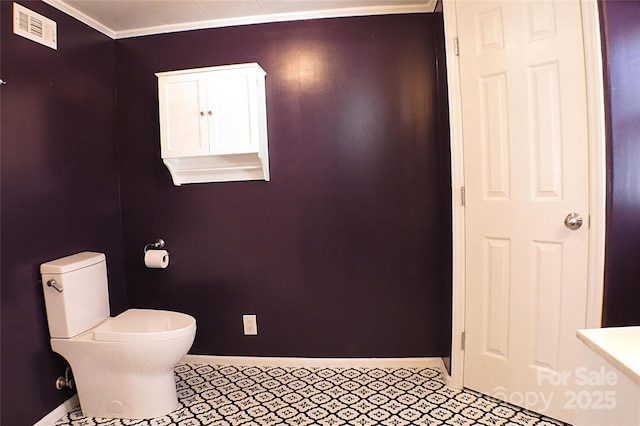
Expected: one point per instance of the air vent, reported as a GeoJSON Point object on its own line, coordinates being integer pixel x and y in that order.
{"type": "Point", "coordinates": [35, 27]}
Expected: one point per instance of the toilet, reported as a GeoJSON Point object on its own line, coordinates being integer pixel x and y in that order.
{"type": "Point", "coordinates": [122, 366]}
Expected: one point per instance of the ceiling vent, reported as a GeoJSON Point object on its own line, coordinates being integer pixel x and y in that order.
{"type": "Point", "coordinates": [35, 27]}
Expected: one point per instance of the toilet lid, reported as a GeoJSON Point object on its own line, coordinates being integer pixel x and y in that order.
{"type": "Point", "coordinates": [145, 325]}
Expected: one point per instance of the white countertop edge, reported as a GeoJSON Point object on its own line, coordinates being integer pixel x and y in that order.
{"type": "Point", "coordinates": [618, 345]}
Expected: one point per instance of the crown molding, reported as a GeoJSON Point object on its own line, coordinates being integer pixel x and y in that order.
{"type": "Point", "coordinates": [245, 20]}
{"type": "Point", "coordinates": [85, 19]}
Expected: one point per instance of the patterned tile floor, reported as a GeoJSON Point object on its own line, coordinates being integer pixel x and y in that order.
{"type": "Point", "coordinates": [260, 396]}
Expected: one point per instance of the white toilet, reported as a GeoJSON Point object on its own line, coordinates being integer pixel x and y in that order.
{"type": "Point", "coordinates": [122, 366]}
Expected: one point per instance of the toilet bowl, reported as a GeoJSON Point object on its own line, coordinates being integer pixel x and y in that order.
{"type": "Point", "coordinates": [122, 366]}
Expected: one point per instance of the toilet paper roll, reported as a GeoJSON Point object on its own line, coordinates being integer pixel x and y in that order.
{"type": "Point", "coordinates": [156, 259]}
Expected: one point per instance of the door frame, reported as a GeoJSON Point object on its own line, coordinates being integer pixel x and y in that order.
{"type": "Point", "coordinates": [597, 176]}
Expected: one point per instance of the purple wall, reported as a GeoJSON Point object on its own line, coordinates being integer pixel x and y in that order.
{"type": "Point", "coordinates": [620, 22]}
{"type": "Point", "coordinates": [346, 252]}
{"type": "Point", "coordinates": [59, 192]}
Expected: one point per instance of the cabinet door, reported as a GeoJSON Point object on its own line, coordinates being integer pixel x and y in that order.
{"type": "Point", "coordinates": [233, 99]}
{"type": "Point", "coordinates": [184, 115]}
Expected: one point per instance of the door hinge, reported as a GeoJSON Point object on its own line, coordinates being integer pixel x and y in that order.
{"type": "Point", "coordinates": [456, 46]}
{"type": "Point", "coordinates": [463, 196]}
{"type": "Point", "coordinates": [463, 340]}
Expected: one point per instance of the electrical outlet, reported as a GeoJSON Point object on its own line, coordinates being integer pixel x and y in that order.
{"type": "Point", "coordinates": [250, 324]}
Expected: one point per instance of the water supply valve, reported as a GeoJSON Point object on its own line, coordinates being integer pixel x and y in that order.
{"type": "Point", "coordinates": [64, 381]}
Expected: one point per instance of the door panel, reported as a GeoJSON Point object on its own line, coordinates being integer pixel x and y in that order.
{"type": "Point", "coordinates": [526, 167]}
{"type": "Point", "coordinates": [234, 128]}
{"type": "Point", "coordinates": [183, 121]}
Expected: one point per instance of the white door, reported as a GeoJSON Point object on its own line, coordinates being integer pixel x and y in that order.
{"type": "Point", "coordinates": [524, 116]}
{"type": "Point", "coordinates": [234, 100]}
{"type": "Point", "coordinates": [184, 122]}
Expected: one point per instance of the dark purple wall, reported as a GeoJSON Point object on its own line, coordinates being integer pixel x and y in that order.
{"type": "Point", "coordinates": [346, 252]}
{"type": "Point", "coordinates": [620, 22]}
{"type": "Point", "coordinates": [59, 192]}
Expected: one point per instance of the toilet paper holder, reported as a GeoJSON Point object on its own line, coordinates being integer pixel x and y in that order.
{"type": "Point", "coordinates": [157, 245]}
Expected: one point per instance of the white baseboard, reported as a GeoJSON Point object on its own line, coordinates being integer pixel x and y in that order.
{"type": "Point", "coordinates": [434, 362]}
{"type": "Point", "coordinates": [59, 412]}
{"type": "Point", "coordinates": [430, 362]}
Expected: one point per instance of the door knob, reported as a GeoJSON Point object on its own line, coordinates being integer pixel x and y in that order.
{"type": "Point", "coordinates": [573, 221]}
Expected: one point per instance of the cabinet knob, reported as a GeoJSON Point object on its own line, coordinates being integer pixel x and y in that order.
{"type": "Point", "coordinates": [202, 113]}
{"type": "Point", "coordinates": [210, 112]}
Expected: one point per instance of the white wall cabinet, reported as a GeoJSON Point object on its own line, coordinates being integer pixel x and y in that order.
{"type": "Point", "coordinates": [213, 124]}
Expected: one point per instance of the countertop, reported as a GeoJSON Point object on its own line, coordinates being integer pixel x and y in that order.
{"type": "Point", "coordinates": [618, 345]}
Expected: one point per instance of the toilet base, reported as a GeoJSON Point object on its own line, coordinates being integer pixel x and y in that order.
{"type": "Point", "coordinates": [126, 380]}
{"type": "Point", "coordinates": [130, 397]}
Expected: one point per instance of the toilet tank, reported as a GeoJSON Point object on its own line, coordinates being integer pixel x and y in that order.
{"type": "Point", "coordinates": [84, 299]}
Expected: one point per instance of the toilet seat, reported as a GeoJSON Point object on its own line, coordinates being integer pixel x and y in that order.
{"type": "Point", "coordinates": [144, 325]}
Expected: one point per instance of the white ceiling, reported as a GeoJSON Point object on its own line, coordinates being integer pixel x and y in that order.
{"type": "Point", "coordinates": [130, 18]}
